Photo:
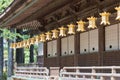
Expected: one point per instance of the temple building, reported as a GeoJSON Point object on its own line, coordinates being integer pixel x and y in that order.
{"type": "Point", "coordinates": [67, 32]}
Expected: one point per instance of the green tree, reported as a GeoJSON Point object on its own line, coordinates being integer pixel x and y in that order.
{"type": "Point", "coordinates": [4, 4]}
{"type": "Point", "coordinates": [7, 34]}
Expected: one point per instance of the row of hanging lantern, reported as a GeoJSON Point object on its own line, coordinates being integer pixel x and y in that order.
{"type": "Point", "coordinates": [62, 30]}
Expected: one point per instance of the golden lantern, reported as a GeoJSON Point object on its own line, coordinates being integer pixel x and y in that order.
{"type": "Point", "coordinates": [27, 43]}
{"type": "Point", "coordinates": [62, 31]}
{"type": "Point", "coordinates": [105, 18]}
{"type": "Point", "coordinates": [48, 36]}
{"type": "Point", "coordinates": [36, 39]}
{"type": "Point", "coordinates": [32, 40]}
{"type": "Point", "coordinates": [92, 22]}
{"type": "Point", "coordinates": [13, 45]}
{"type": "Point", "coordinates": [118, 13]}
{"type": "Point", "coordinates": [71, 29]}
{"type": "Point", "coordinates": [39, 36]}
{"type": "Point", "coordinates": [55, 33]}
{"type": "Point", "coordinates": [24, 43]}
{"type": "Point", "coordinates": [81, 25]}
{"type": "Point", "coordinates": [21, 44]}
{"type": "Point", "coordinates": [17, 45]}
{"type": "Point", "coordinates": [42, 38]}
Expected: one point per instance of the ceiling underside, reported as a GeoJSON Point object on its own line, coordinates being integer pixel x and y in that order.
{"type": "Point", "coordinates": [48, 14]}
{"type": "Point", "coordinates": [40, 8]}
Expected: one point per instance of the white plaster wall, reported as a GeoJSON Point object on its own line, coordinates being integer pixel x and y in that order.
{"type": "Point", "coordinates": [49, 48]}
{"type": "Point", "coordinates": [93, 40]}
{"type": "Point", "coordinates": [64, 47]}
{"type": "Point", "coordinates": [71, 44]}
{"type": "Point", "coordinates": [111, 37]}
{"type": "Point", "coordinates": [84, 42]}
{"type": "Point", "coordinates": [54, 44]}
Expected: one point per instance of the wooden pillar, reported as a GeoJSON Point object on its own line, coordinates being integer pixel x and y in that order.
{"type": "Point", "coordinates": [101, 45]}
{"type": "Point", "coordinates": [77, 48]}
{"type": "Point", "coordinates": [10, 59]}
{"type": "Point", "coordinates": [1, 57]}
{"type": "Point", "coordinates": [31, 50]}
{"type": "Point", "coordinates": [31, 54]}
{"type": "Point", "coordinates": [58, 51]}
{"type": "Point", "coordinates": [45, 52]}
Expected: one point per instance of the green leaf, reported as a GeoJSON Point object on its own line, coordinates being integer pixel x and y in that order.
{"type": "Point", "coordinates": [4, 4]}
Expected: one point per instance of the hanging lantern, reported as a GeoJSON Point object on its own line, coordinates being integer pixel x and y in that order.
{"type": "Point", "coordinates": [48, 36]}
{"type": "Point", "coordinates": [118, 13]}
{"type": "Point", "coordinates": [36, 39]}
{"type": "Point", "coordinates": [81, 25]}
{"type": "Point", "coordinates": [105, 18]}
{"type": "Point", "coordinates": [92, 22]}
{"type": "Point", "coordinates": [55, 33]}
{"type": "Point", "coordinates": [14, 45]}
{"type": "Point", "coordinates": [24, 43]}
{"type": "Point", "coordinates": [71, 29]}
{"type": "Point", "coordinates": [21, 44]}
{"type": "Point", "coordinates": [32, 41]}
{"type": "Point", "coordinates": [62, 31]}
{"type": "Point", "coordinates": [27, 43]}
{"type": "Point", "coordinates": [42, 38]}
{"type": "Point", "coordinates": [17, 45]}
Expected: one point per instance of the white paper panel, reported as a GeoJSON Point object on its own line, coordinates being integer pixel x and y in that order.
{"type": "Point", "coordinates": [119, 34]}
{"type": "Point", "coordinates": [111, 37]}
{"type": "Point", "coordinates": [49, 49]}
{"type": "Point", "coordinates": [54, 43]}
{"type": "Point", "coordinates": [64, 48]}
{"type": "Point", "coordinates": [84, 42]}
{"type": "Point", "coordinates": [71, 44]}
{"type": "Point", "coordinates": [93, 39]}
{"type": "Point", "coordinates": [40, 49]}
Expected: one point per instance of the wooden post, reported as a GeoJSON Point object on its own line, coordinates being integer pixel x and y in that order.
{"type": "Point", "coordinates": [31, 50]}
{"type": "Point", "coordinates": [77, 48]}
{"type": "Point", "coordinates": [10, 59]}
{"type": "Point", "coordinates": [93, 71]}
{"type": "Point", "coordinates": [113, 72]}
{"type": "Point", "coordinates": [45, 52]}
{"type": "Point", "coordinates": [101, 44]}
{"type": "Point", "coordinates": [59, 51]}
{"type": "Point", "coordinates": [102, 78]}
{"type": "Point", "coordinates": [31, 54]}
{"type": "Point", "coordinates": [1, 57]}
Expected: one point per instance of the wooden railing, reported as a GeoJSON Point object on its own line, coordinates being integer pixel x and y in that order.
{"type": "Point", "coordinates": [25, 73]}
{"type": "Point", "coordinates": [68, 73]}
{"type": "Point", "coordinates": [90, 73]}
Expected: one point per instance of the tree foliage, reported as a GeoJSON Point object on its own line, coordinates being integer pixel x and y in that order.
{"type": "Point", "coordinates": [4, 4]}
{"type": "Point", "coordinates": [7, 34]}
